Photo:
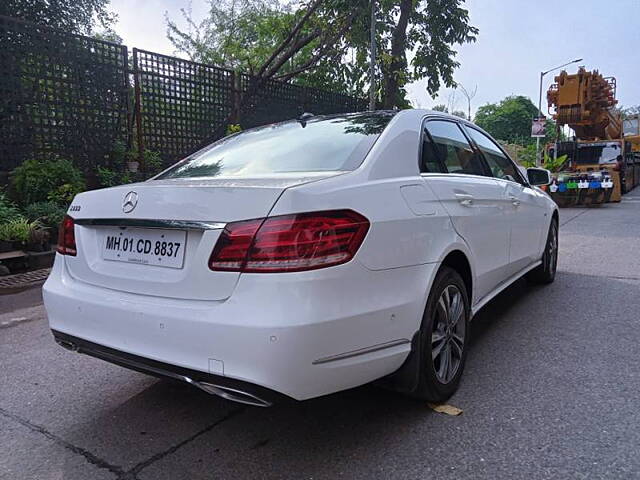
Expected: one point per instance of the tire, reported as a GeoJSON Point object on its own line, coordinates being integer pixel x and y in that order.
{"type": "Point", "coordinates": [436, 383]}
{"type": "Point", "coordinates": [546, 271]}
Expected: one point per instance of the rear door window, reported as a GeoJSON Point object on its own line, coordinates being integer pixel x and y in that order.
{"type": "Point", "coordinates": [500, 165]}
{"type": "Point", "coordinates": [446, 150]}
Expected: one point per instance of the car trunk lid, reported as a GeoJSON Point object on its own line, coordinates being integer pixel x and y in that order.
{"type": "Point", "coordinates": [161, 246]}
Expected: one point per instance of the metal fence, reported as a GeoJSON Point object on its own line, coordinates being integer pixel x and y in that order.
{"type": "Point", "coordinates": [74, 97]}
{"type": "Point", "coordinates": [274, 101]}
{"type": "Point", "coordinates": [181, 103]}
{"type": "Point", "coordinates": [60, 94]}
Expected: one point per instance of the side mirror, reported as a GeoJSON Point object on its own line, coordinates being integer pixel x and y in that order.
{"type": "Point", "coordinates": [538, 176]}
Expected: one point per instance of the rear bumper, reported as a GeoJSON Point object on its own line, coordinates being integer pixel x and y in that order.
{"type": "Point", "coordinates": [225, 387]}
{"type": "Point", "coordinates": [301, 335]}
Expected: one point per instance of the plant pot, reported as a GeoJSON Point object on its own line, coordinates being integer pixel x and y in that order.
{"type": "Point", "coordinates": [5, 246]}
{"type": "Point", "coordinates": [35, 247]}
{"type": "Point", "coordinates": [133, 166]}
{"type": "Point", "coordinates": [17, 245]}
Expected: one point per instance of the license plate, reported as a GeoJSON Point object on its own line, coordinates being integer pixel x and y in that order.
{"type": "Point", "coordinates": [145, 246]}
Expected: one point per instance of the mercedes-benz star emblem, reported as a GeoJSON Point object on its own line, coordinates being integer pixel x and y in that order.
{"type": "Point", "coordinates": [130, 201]}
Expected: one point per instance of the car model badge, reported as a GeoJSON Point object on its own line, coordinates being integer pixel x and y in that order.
{"type": "Point", "coordinates": [130, 201]}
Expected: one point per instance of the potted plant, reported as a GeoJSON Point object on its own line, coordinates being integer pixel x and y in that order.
{"type": "Point", "coordinates": [6, 236]}
{"type": "Point", "coordinates": [39, 240]}
{"type": "Point", "coordinates": [132, 161]}
{"type": "Point", "coordinates": [8, 212]}
{"type": "Point", "coordinates": [20, 233]}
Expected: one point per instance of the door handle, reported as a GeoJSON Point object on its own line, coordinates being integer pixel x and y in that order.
{"type": "Point", "coordinates": [464, 199]}
{"type": "Point", "coordinates": [514, 200]}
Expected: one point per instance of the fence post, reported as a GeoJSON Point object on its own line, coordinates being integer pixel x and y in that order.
{"type": "Point", "coordinates": [236, 97]}
{"type": "Point", "coordinates": [127, 97]}
{"type": "Point", "coordinates": [137, 108]}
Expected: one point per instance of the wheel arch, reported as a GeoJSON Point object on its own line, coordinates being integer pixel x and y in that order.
{"type": "Point", "coordinates": [405, 379]}
{"type": "Point", "coordinates": [459, 262]}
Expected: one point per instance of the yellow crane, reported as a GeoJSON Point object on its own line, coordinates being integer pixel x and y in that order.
{"type": "Point", "coordinates": [586, 102]}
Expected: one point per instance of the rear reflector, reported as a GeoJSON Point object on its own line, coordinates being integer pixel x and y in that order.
{"type": "Point", "coordinates": [67, 237]}
{"type": "Point", "coordinates": [289, 243]}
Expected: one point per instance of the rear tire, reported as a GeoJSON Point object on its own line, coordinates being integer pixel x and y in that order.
{"type": "Point", "coordinates": [546, 271]}
{"type": "Point", "coordinates": [443, 337]}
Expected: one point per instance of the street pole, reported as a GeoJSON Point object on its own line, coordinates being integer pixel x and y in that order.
{"type": "Point", "coordinates": [372, 64]}
{"type": "Point", "coordinates": [542, 74]}
{"type": "Point", "coordinates": [538, 159]}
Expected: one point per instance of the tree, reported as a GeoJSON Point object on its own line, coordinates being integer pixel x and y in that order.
{"type": "Point", "coordinates": [108, 35]}
{"type": "Point", "coordinates": [469, 95]}
{"type": "Point", "coordinates": [74, 16]}
{"type": "Point", "coordinates": [440, 108]}
{"type": "Point", "coordinates": [510, 120]}
{"type": "Point", "coordinates": [429, 28]}
{"type": "Point", "coordinates": [459, 113]}
{"type": "Point", "coordinates": [270, 40]}
{"type": "Point", "coordinates": [326, 42]}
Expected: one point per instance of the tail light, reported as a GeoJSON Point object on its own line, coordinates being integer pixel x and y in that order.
{"type": "Point", "coordinates": [67, 237]}
{"type": "Point", "coordinates": [289, 243]}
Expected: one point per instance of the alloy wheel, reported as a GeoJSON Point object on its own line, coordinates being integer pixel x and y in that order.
{"type": "Point", "coordinates": [448, 335]}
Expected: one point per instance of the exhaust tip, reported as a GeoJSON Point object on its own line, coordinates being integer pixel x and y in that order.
{"type": "Point", "coordinates": [72, 347]}
{"type": "Point", "coordinates": [233, 394]}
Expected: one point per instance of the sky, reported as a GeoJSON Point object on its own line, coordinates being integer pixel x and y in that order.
{"type": "Point", "coordinates": [517, 40]}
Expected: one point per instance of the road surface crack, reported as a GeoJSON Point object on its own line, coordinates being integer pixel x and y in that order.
{"type": "Point", "coordinates": [574, 217]}
{"type": "Point", "coordinates": [89, 457]}
{"type": "Point", "coordinates": [132, 473]}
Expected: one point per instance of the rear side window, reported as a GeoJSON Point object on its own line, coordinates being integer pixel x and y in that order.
{"type": "Point", "coordinates": [448, 150]}
{"type": "Point", "coordinates": [499, 164]}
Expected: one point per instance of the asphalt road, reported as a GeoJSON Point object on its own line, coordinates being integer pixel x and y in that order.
{"type": "Point", "coordinates": [550, 391]}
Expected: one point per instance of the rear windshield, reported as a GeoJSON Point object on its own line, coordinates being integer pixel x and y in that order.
{"type": "Point", "coordinates": [315, 145]}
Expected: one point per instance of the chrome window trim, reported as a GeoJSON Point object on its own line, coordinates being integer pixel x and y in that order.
{"type": "Point", "coordinates": [149, 223]}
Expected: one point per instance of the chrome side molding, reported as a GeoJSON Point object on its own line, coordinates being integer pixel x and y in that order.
{"type": "Point", "coordinates": [361, 351]}
{"type": "Point", "coordinates": [149, 223]}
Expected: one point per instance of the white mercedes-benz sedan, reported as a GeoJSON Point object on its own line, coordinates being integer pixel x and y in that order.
{"type": "Point", "coordinates": [306, 257]}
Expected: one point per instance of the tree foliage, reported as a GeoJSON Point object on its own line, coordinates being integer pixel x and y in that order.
{"type": "Point", "coordinates": [269, 39]}
{"type": "Point", "coordinates": [326, 42]}
{"type": "Point", "coordinates": [428, 28]}
{"type": "Point", "coordinates": [510, 120]}
{"type": "Point", "coordinates": [74, 16]}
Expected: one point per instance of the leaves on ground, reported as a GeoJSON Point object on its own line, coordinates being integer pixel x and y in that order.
{"type": "Point", "coordinates": [447, 409]}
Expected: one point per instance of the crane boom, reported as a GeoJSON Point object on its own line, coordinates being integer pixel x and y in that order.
{"type": "Point", "coordinates": [586, 102]}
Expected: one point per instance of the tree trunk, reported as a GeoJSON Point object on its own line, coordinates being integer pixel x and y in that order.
{"type": "Point", "coordinates": [398, 65]}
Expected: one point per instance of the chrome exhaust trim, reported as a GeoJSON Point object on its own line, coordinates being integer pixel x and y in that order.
{"type": "Point", "coordinates": [72, 347]}
{"type": "Point", "coordinates": [228, 393]}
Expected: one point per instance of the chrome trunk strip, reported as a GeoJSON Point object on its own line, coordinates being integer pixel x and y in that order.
{"type": "Point", "coordinates": [150, 223]}
{"type": "Point", "coordinates": [361, 351]}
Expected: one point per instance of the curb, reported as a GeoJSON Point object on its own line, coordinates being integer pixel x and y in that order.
{"type": "Point", "coordinates": [23, 281]}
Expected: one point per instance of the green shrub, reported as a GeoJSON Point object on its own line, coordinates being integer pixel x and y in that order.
{"type": "Point", "coordinates": [233, 128]}
{"type": "Point", "coordinates": [50, 214]}
{"type": "Point", "coordinates": [107, 177]}
{"type": "Point", "coordinates": [8, 211]}
{"type": "Point", "coordinates": [152, 162]}
{"type": "Point", "coordinates": [63, 195]}
{"type": "Point", "coordinates": [554, 165]}
{"type": "Point", "coordinates": [39, 180]}
{"type": "Point", "coordinates": [18, 230]}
